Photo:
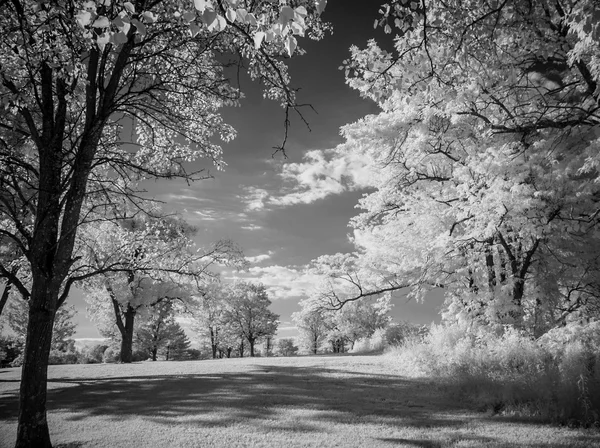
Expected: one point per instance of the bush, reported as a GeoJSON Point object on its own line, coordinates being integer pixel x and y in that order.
{"type": "Point", "coordinates": [111, 355]}
{"type": "Point", "coordinates": [140, 355]}
{"type": "Point", "coordinates": [556, 377]}
{"type": "Point", "coordinates": [193, 354]}
{"type": "Point", "coordinates": [10, 349]}
{"type": "Point", "coordinates": [375, 343]}
{"type": "Point", "coordinates": [95, 354]}
{"type": "Point", "coordinates": [57, 357]}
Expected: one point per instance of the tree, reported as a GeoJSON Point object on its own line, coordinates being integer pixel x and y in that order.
{"type": "Point", "coordinates": [285, 347]}
{"type": "Point", "coordinates": [147, 260]}
{"type": "Point", "coordinates": [312, 327]}
{"type": "Point", "coordinates": [209, 317]}
{"type": "Point", "coordinates": [248, 309]}
{"type": "Point", "coordinates": [176, 343]}
{"type": "Point", "coordinates": [64, 327]}
{"type": "Point", "coordinates": [357, 320]}
{"type": "Point", "coordinates": [73, 82]}
{"type": "Point", "coordinates": [157, 329]}
{"type": "Point", "coordinates": [484, 160]}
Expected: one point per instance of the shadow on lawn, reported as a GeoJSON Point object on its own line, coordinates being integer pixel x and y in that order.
{"type": "Point", "coordinates": [258, 394]}
{"type": "Point", "coordinates": [307, 395]}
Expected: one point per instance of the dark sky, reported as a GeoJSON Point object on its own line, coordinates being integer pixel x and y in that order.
{"type": "Point", "coordinates": [282, 239]}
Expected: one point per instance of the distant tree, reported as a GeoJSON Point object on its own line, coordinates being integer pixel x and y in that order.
{"type": "Point", "coordinates": [268, 346]}
{"type": "Point", "coordinates": [248, 309]}
{"type": "Point", "coordinates": [209, 318]}
{"type": "Point", "coordinates": [358, 320]}
{"type": "Point", "coordinates": [156, 262]}
{"type": "Point", "coordinates": [157, 329]}
{"type": "Point", "coordinates": [312, 326]}
{"type": "Point", "coordinates": [17, 315]}
{"type": "Point", "coordinates": [176, 343]}
{"type": "Point", "coordinates": [285, 347]}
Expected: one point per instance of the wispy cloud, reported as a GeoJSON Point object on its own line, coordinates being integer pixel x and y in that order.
{"type": "Point", "coordinates": [261, 257]}
{"type": "Point", "coordinates": [251, 227]}
{"type": "Point", "coordinates": [322, 173]}
{"type": "Point", "coordinates": [282, 282]}
{"type": "Point", "coordinates": [255, 198]}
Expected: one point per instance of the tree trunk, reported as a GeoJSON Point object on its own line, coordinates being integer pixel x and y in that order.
{"type": "Point", "coordinates": [154, 352]}
{"type": "Point", "coordinates": [251, 341]}
{"type": "Point", "coordinates": [489, 263]}
{"type": "Point", "coordinates": [33, 426]}
{"type": "Point", "coordinates": [5, 294]}
{"type": "Point", "coordinates": [242, 349]}
{"type": "Point", "coordinates": [213, 342]}
{"type": "Point", "coordinates": [167, 354]}
{"type": "Point", "coordinates": [315, 345]}
{"type": "Point", "coordinates": [127, 335]}
{"type": "Point", "coordinates": [229, 349]}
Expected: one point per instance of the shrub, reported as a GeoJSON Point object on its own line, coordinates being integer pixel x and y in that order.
{"type": "Point", "coordinates": [59, 357]}
{"type": "Point", "coordinates": [374, 343]}
{"type": "Point", "coordinates": [94, 354]}
{"type": "Point", "coordinates": [140, 355]}
{"type": "Point", "coordinates": [10, 349]}
{"type": "Point", "coordinates": [111, 355]}
{"type": "Point", "coordinates": [555, 377]}
{"type": "Point", "coordinates": [194, 354]}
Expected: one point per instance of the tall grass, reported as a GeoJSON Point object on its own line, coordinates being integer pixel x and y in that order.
{"type": "Point", "coordinates": [556, 377]}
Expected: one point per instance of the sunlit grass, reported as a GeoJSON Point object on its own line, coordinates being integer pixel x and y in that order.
{"type": "Point", "coordinates": [353, 401]}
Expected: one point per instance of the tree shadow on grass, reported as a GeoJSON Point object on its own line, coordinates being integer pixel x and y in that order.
{"type": "Point", "coordinates": [258, 394]}
{"type": "Point", "coordinates": [307, 396]}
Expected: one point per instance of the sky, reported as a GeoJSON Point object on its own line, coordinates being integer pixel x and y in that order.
{"type": "Point", "coordinates": [284, 212]}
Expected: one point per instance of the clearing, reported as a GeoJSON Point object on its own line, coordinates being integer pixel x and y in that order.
{"type": "Point", "coordinates": [323, 401]}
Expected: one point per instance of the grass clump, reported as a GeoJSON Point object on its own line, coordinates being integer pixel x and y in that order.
{"type": "Point", "coordinates": [556, 377]}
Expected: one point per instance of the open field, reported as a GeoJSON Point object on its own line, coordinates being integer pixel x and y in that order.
{"type": "Point", "coordinates": [349, 401]}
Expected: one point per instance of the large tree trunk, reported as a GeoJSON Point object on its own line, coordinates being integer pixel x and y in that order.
{"type": "Point", "coordinates": [127, 335]}
{"type": "Point", "coordinates": [33, 430]}
{"type": "Point", "coordinates": [315, 347]}
{"type": "Point", "coordinates": [251, 341]}
{"type": "Point", "coordinates": [242, 349]}
{"type": "Point", "coordinates": [154, 352]}
{"type": "Point", "coordinates": [213, 343]}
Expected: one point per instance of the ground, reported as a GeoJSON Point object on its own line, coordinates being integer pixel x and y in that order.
{"type": "Point", "coordinates": [344, 401]}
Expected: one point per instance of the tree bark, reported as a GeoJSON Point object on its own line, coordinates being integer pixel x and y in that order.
{"type": "Point", "coordinates": [33, 430]}
{"type": "Point", "coordinates": [489, 263]}
{"type": "Point", "coordinates": [242, 349]}
{"type": "Point", "coordinates": [251, 341]}
{"type": "Point", "coordinates": [154, 352]}
{"type": "Point", "coordinates": [127, 335]}
{"type": "Point", "coordinates": [213, 343]}
{"type": "Point", "coordinates": [5, 294]}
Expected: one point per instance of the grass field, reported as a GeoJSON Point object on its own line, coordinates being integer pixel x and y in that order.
{"type": "Point", "coordinates": [348, 401]}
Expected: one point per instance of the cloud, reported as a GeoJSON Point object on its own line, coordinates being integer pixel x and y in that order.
{"type": "Point", "coordinates": [255, 198]}
{"type": "Point", "coordinates": [251, 227]}
{"type": "Point", "coordinates": [206, 215]}
{"type": "Point", "coordinates": [260, 258]}
{"type": "Point", "coordinates": [322, 173]}
{"type": "Point", "coordinates": [282, 282]}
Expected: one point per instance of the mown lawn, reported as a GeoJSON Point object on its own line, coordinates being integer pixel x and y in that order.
{"type": "Point", "coordinates": [350, 401]}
